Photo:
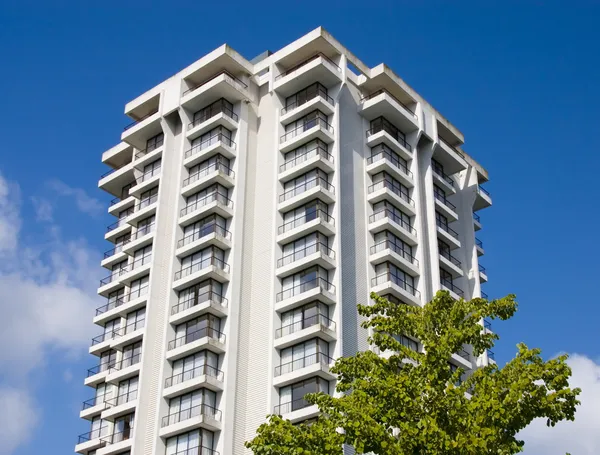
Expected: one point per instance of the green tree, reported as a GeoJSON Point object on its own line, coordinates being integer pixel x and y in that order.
{"type": "Point", "coordinates": [413, 403]}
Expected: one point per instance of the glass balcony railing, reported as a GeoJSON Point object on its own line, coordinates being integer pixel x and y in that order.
{"type": "Point", "coordinates": [305, 186]}
{"type": "Point", "coordinates": [451, 286]}
{"type": "Point", "coordinates": [317, 358]}
{"type": "Point", "coordinates": [398, 249]}
{"type": "Point", "coordinates": [211, 261]}
{"type": "Point", "coordinates": [220, 137]}
{"type": "Point", "coordinates": [196, 335]}
{"type": "Point", "coordinates": [200, 370]}
{"type": "Point", "coordinates": [209, 296]}
{"type": "Point", "coordinates": [304, 252]}
{"type": "Point", "coordinates": [306, 218]}
{"type": "Point", "coordinates": [394, 188]}
{"type": "Point", "coordinates": [311, 321]}
{"type": "Point", "coordinates": [201, 410]}
{"type": "Point", "coordinates": [308, 125]}
{"type": "Point", "coordinates": [397, 280]}
{"type": "Point", "coordinates": [319, 283]}
{"type": "Point", "coordinates": [214, 167]}
{"type": "Point", "coordinates": [114, 302]}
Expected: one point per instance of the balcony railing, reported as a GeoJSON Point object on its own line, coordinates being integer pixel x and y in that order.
{"type": "Point", "coordinates": [204, 263]}
{"type": "Point", "coordinates": [291, 406]}
{"type": "Point", "coordinates": [476, 217]}
{"type": "Point", "coordinates": [202, 410]}
{"type": "Point", "coordinates": [119, 437]}
{"type": "Point", "coordinates": [440, 173]}
{"type": "Point", "coordinates": [491, 354]}
{"type": "Point", "coordinates": [148, 175]}
{"type": "Point", "coordinates": [117, 302]}
{"type": "Point", "coordinates": [317, 151]}
{"type": "Point", "coordinates": [208, 199]}
{"type": "Point", "coordinates": [446, 253]}
{"type": "Point", "coordinates": [123, 398]}
{"type": "Point", "coordinates": [130, 328]}
{"type": "Point", "coordinates": [157, 144]}
{"type": "Point", "coordinates": [132, 124]}
{"type": "Point", "coordinates": [305, 186]}
{"type": "Point", "coordinates": [113, 276]}
{"type": "Point", "coordinates": [484, 295]}
{"type": "Point", "coordinates": [487, 325]}
{"type": "Point", "coordinates": [221, 108]}
{"type": "Point", "coordinates": [196, 335]}
{"type": "Point", "coordinates": [305, 62]}
{"type": "Point", "coordinates": [94, 434]}
{"type": "Point", "coordinates": [317, 319]}
{"type": "Point", "coordinates": [319, 93]}
{"type": "Point", "coordinates": [464, 354]}
{"type": "Point", "coordinates": [117, 249]}
{"type": "Point", "coordinates": [387, 213]}
{"type": "Point", "coordinates": [449, 285]}
{"type": "Point", "coordinates": [139, 262]}
{"type": "Point", "coordinates": [306, 251]}
{"type": "Point", "coordinates": [142, 231]}
{"type": "Point", "coordinates": [393, 187]}
{"type": "Point", "coordinates": [120, 222]}
{"type": "Point", "coordinates": [103, 337]}
{"type": "Point", "coordinates": [458, 152]}
{"type": "Point", "coordinates": [220, 137]}
{"type": "Point", "coordinates": [446, 228]}
{"type": "Point", "coordinates": [380, 91]}
{"type": "Point", "coordinates": [384, 154]}
{"type": "Point", "coordinates": [317, 358]}
{"type": "Point", "coordinates": [104, 366]}
{"type": "Point", "coordinates": [124, 194]}
{"type": "Point", "coordinates": [481, 189]}
{"type": "Point", "coordinates": [395, 133]}
{"type": "Point", "coordinates": [214, 167]}
{"type": "Point", "coordinates": [303, 219]}
{"type": "Point", "coordinates": [197, 451]}
{"type": "Point", "coordinates": [146, 202]}
{"type": "Point", "coordinates": [397, 280]}
{"type": "Point", "coordinates": [387, 244]}
{"type": "Point", "coordinates": [203, 232]}
{"type": "Point", "coordinates": [444, 200]}
{"type": "Point", "coordinates": [209, 296]}
{"type": "Point", "coordinates": [320, 283]}
{"type": "Point", "coordinates": [126, 362]}
{"type": "Point", "coordinates": [232, 80]}
{"type": "Point", "coordinates": [308, 124]}
{"type": "Point", "coordinates": [100, 399]}
{"type": "Point", "coordinates": [482, 269]}
{"type": "Point", "coordinates": [201, 370]}
{"type": "Point", "coordinates": [478, 243]}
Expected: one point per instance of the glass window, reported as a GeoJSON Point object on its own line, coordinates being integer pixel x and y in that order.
{"type": "Point", "coordinates": [208, 290]}
{"type": "Point", "coordinates": [132, 354]}
{"type": "Point", "coordinates": [396, 275]}
{"type": "Point", "coordinates": [205, 325]}
{"type": "Point", "coordinates": [154, 142]}
{"type": "Point", "coordinates": [215, 135]}
{"type": "Point", "coordinates": [148, 197]}
{"type": "Point", "coordinates": [304, 354]}
{"type": "Point", "coordinates": [138, 287]}
{"type": "Point", "coordinates": [197, 442]}
{"type": "Point", "coordinates": [291, 398]}
{"type": "Point", "coordinates": [127, 391]}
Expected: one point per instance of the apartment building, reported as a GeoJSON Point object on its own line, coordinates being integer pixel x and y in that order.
{"type": "Point", "coordinates": [256, 202]}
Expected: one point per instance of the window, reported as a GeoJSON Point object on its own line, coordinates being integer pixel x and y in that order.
{"type": "Point", "coordinates": [132, 354]}
{"type": "Point", "coordinates": [123, 214]}
{"type": "Point", "coordinates": [205, 325]}
{"type": "Point", "coordinates": [108, 359]}
{"type": "Point", "coordinates": [114, 298]}
{"type": "Point", "coordinates": [202, 259]}
{"type": "Point", "coordinates": [103, 393]}
{"type": "Point", "coordinates": [215, 135]}
{"type": "Point", "coordinates": [307, 94]}
{"type": "Point", "coordinates": [382, 151]}
{"type": "Point", "coordinates": [97, 428]}
{"type": "Point", "coordinates": [135, 320]}
{"type": "Point", "coordinates": [151, 170]}
{"type": "Point", "coordinates": [196, 403]}
{"type": "Point", "coordinates": [291, 398]}
{"type": "Point", "coordinates": [120, 241]}
{"type": "Point", "coordinates": [111, 328]}
{"type": "Point", "coordinates": [303, 247]}
{"type": "Point", "coordinates": [209, 225]}
{"type": "Point", "coordinates": [385, 240]}
{"type": "Point", "coordinates": [302, 355]}
{"type": "Point", "coordinates": [127, 391]}
{"type": "Point", "coordinates": [441, 221]}
{"type": "Point", "coordinates": [213, 109]}
{"type": "Point", "coordinates": [208, 290]}
{"type": "Point", "coordinates": [123, 428]}
{"type": "Point", "coordinates": [305, 182]}
{"type": "Point", "coordinates": [389, 272]}
{"type": "Point", "coordinates": [408, 342]}
{"type": "Point", "coordinates": [385, 180]}
{"type": "Point", "coordinates": [203, 362]}
{"type": "Point", "coordinates": [214, 163]}
{"type": "Point", "coordinates": [304, 152]}
{"type": "Point", "coordinates": [304, 317]}
{"type": "Point", "coordinates": [382, 124]}
{"type": "Point", "coordinates": [304, 214]}
{"type": "Point", "coordinates": [305, 280]}
{"type": "Point", "coordinates": [207, 195]}
{"type": "Point", "coordinates": [154, 142]}
{"type": "Point", "coordinates": [142, 257]}
{"type": "Point", "coordinates": [138, 287]}
{"type": "Point", "coordinates": [148, 197]}
{"type": "Point", "coordinates": [305, 123]}
{"type": "Point", "coordinates": [384, 208]}
{"type": "Point", "coordinates": [446, 278]}
{"type": "Point", "coordinates": [196, 442]}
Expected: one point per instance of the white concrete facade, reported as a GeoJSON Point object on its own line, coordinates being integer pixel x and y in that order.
{"type": "Point", "coordinates": [256, 204]}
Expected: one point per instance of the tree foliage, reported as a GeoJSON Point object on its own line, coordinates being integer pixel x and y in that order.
{"type": "Point", "coordinates": [412, 403]}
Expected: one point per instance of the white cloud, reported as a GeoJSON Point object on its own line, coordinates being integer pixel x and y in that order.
{"type": "Point", "coordinates": [47, 298]}
{"type": "Point", "coordinates": [17, 418]}
{"type": "Point", "coordinates": [581, 437]}
{"type": "Point", "coordinates": [43, 209]}
{"type": "Point", "coordinates": [84, 202]}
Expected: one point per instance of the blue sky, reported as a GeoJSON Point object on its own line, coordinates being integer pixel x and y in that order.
{"type": "Point", "coordinates": [520, 81]}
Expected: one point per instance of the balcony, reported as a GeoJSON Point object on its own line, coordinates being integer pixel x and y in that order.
{"type": "Point", "coordinates": [201, 416]}
{"type": "Point", "coordinates": [388, 282]}
{"type": "Point", "coordinates": [317, 68]}
{"type": "Point", "coordinates": [309, 366]}
{"type": "Point", "coordinates": [315, 254]}
{"type": "Point", "coordinates": [315, 289]}
{"type": "Point", "coordinates": [221, 85]}
{"type": "Point", "coordinates": [382, 159]}
{"type": "Point", "coordinates": [449, 156]}
{"type": "Point", "coordinates": [129, 334]}
{"type": "Point", "coordinates": [454, 290]}
{"type": "Point", "coordinates": [101, 342]}
{"type": "Point", "coordinates": [210, 267]}
{"type": "Point", "coordinates": [97, 374]}
{"type": "Point", "coordinates": [463, 359]}
{"type": "Point", "coordinates": [318, 325]}
{"type": "Point", "coordinates": [122, 305]}
{"type": "Point", "coordinates": [123, 201]}
{"type": "Point", "coordinates": [117, 229]}
{"type": "Point", "coordinates": [479, 247]}
{"type": "Point", "coordinates": [450, 263]}
{"type": "Point", "coordinates": [317, 158]}
{"type": "Point", "coordinates": [219, 144]}
{"type": "Point", "coordinates": [215, 173]}
{"type": "Point", "coordinates": [218, 115]}
{"type": "Point", "coordinates": [208, 302]}
{"type": "Point", "coordinates": [145, 181]}
{"type": "Point", "coordinates": [319, 221]}
{"type": "Point", "coordinates": [482, 274]}
{"type": "Point", "coordinates": [386, 219]}
{"type": "Point", "coordinates": [115, 179]}
{"type": "Point", "coordinates": [136, 269]}
{"type": "Point", "coordinates": [111, 282]}
{"type": "Point", "coordinates": [140, 238]}
{"type": "Point", "coordinates": [483, 198]}
{"type": "Point", "coordinates": [124, 369]}
{"type": "Point", "coordinates": [214, 202]}
{"type": "Point", "coordinates": [204, 338]}
{"type": "Point", "coordinates": [491, 356]}
{"type": "Point", "coordinates": [387, 250]}
{"type": "Point", "coordinates": [442, 179]}
{"type": "Point", "coordinates": [203, 376]}
{"type": "Point", "coordinates": [476, 221]}
{"type": "Point", "coordinates": [382, 103]}
{"type": "Point", "coordinates": [315, 188]}
{"type": "Point", "coordinates": [444, 206]}
{"type": "Point", "coordinates": [94, 406]}
{"type": "Point", "coordinates": [212, 234]}
{"type": "Point", "coordinates": [314, 128]}
{"type": "Point", "coordinates": [118, 443]}
{"type": "Point", "coordinates": [447, 234]}
{"type": "Point", "coordinates": [91, 440]}
{"type": "Point", "coordinates": [120, 405]}
{"type": "Point", "coordinates": [386, 189]}
{"type": "Point", "coordinates": [150, 153]}
{"type": "Point", "coordinates": [385, 133]}
{"type": "Point", "coordinates": [113, 256]}
{"type": "Point", "coordinates": [297, 410]}
{"type": "Point", "coordinates": [314, 100]}
{"type": "Point", "coordinates": [137, 132]}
